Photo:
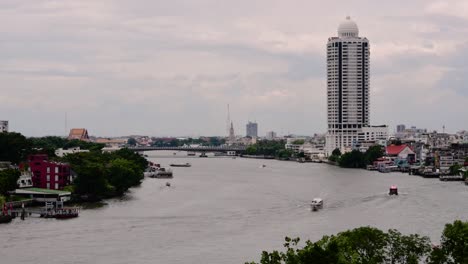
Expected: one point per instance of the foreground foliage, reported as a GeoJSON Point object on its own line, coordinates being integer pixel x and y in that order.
{"type": "Point", "coordinates": [368, 245]}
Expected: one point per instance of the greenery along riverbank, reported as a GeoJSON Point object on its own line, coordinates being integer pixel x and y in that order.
{"type": "Point", "coordinates": [271, 148]}
{"type": "Point", "coordinates": [356, 158]}
{"type": "Point", "coordinates": [367, 245]}
{"type": "Point", "coordinates": [105, 175]}
{"type": "Point", "coordinates": [98, 175]}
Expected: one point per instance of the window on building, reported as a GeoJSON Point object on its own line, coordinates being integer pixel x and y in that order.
{"type": "Point", "coordinates": [56, 178]}
{"type": "Point", "coordinates": [56, 186]}
{"type": "Point", "coordinates": [48, 169]}
{"type": "Point", "coordinates": [48, 185]}
{"type": "Point", "coordinates": [48, 177]}
{"type": "Point", "coordinates": [56, 169]}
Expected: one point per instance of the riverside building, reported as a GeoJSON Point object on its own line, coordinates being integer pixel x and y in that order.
{"type": "Point", "coordinates": [347, 88]}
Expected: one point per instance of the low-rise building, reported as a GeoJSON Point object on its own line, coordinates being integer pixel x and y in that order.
{"type": "Point", "coordinates": [62, 152]}
{"type": "Point", "coordinates": [400, 152]}
{"type": "Point", "coordinates": [48, 174]}
{"type": "Point", "coordinates": [112, 142]}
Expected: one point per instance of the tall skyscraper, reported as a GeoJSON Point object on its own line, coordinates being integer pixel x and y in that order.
{"type": "Point", "coordinates": [251, 130]}
{"type": "Point", "coordinates": [347, 86]}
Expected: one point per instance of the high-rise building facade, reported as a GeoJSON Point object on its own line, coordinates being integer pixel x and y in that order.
{"type": "Point", "coordinates": [252, 130]}
{"type": "Point", "coordinates": [400, 128]}
{"type": "Point", "coordinates": [3, 126]}
{"type": "Point", "coordinates": [347, 87]}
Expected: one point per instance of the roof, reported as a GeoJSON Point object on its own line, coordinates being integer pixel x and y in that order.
{"type": "Point", "coordinates": [78, 133]}
{"type": "Point", "coordinates": [40, 191]}
{"type": "Point", "coordinates": [348, 28]}
{"type": "Point", "coordinates": [395, 149]}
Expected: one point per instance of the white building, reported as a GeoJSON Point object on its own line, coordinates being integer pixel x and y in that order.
{"type": "Point", "coordinates": [373, 133]}
{"type": "Point", "coordinates": [62, 152]}
{"type": "Point", "coordinates": [347, 87]}
{"type": "Point", "coordinates": [3, 126]}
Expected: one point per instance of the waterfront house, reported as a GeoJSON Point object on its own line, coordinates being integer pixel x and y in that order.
{"type": "Point", "coordinates": [48, 174]}
{"type": "Point", "coordinates": [400, 152]}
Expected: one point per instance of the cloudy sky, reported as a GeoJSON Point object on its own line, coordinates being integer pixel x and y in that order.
{"type": "Point", "coordinates": [171, 67]}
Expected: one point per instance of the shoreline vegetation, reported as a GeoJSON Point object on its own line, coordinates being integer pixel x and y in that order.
{"type": "Point", "coordinates": [99, 175]}
{"type": "Point", "coordinates": [369, 245]}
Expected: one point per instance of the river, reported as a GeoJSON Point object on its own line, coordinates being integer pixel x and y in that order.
{"type": "Point", "coordinates": [224, 210]}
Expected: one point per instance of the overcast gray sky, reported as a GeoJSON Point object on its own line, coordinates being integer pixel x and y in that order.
{"type": "Point", "coordinates": [170, 67]}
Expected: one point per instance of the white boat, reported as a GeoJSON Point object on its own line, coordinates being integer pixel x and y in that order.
{"type": "Point", "coordinates": [317, 203]}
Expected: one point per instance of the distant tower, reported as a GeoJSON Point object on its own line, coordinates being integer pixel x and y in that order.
{"type": "Point", "coordinates": [228, 121]}
{"type": "Point", "coordinates": [232, 136]}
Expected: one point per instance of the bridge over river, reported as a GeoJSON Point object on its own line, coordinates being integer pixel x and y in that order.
{"type": "Point", "coordinates": [225, 149]}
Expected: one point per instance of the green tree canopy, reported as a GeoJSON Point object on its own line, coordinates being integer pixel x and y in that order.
{"type": "Point", "coordinates": [373, 153]}
{"type": "Point", "coordinates": [8, 179]}
{"type": "Point", "coordinates": [14, 147]}
{"type": "Point", "coordinates": [353, 159]}
{"type": "Point", "coordinates": [131, 142]}
{"type": "Point", "coordinates": [336, 152]}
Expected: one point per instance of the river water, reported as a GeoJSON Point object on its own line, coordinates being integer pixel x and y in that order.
{"type": "Point", "coordinates": [224, 210]}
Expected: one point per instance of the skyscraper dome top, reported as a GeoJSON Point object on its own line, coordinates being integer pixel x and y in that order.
{"type": "Point", "coordinates": [348, 29]}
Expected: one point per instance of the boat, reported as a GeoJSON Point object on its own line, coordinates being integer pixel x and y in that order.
{"type": "Point", "coordinates": [190, 154]}
{"type": "Point", "coordinates": [203, 155]}
{"type": "Point", "coordinates": [66, 213]}
{"type": "Point", "coordinates": [393, 190]}
{"type": "Point", "coordinates": [181, 165]}
{"type": "Point", "coordinates": [162, 173]}
{"type": "Point", "coordinates": [263, 165]}
{"type": "Point", "coordinates": [4, 219]}
{"type": "Point", "coordinates": [317, 203]}
{"type": "Point", "coordinates": [168, 184]}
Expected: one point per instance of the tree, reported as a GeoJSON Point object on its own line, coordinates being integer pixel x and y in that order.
{"type": "Point", "coordinates": [353, 159]}
{"type": "Point", "coordinates": [8, 180]}
{"type": "Point", "coordinates": [364, 245]}
{"type": "Point", "coordinates": [123, 174]}
{"type": "Point", "coordinates": [336, 152]}
{"type": "Point", "coordinates": [91, 180]}
{"type": "Point", "coordinates": [131, 142]}
{"type": "Point", "coordinates": [454, 242]}
{"type": "Point", "coordinates": [373, 153]}
{"type": "Point", "coordinates": [298, 142]}
{"type": "Point", "coordinates": [14, 147]}
{"type": "Point", "coordinates": [406, 249]}
{"type": "Point", "coordinates": [454, 169]}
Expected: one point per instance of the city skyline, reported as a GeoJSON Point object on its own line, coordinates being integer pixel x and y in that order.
{"type": "Point", "coordinates": [159, 68]}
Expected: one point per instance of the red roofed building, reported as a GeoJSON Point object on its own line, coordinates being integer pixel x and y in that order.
{"type": "Point", "coordinates": [78, 133]}
{"type": "Point", "coordinates": [400, 151]}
